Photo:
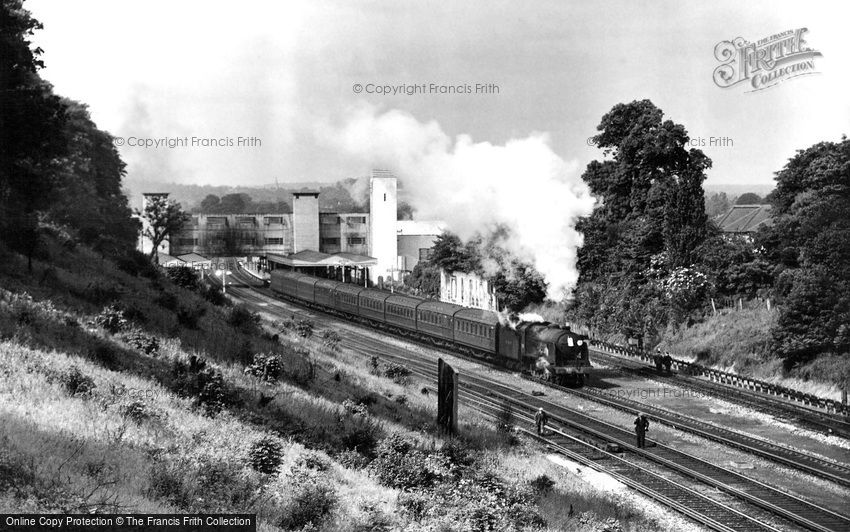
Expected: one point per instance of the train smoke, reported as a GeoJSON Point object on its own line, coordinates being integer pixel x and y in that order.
{"type": "Point", "coordinates": [479, 187]}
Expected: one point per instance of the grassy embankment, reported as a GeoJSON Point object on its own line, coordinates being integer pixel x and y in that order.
{"type": "Point", "coordinates": [167, 402]}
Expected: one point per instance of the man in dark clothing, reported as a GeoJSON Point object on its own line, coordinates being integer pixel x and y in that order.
{"type": "Point", "coordinates": [658, 359]}
{"type": "Point", "coordinates": [668, 362]}
{"type": "Point", "coordinates": [641, 427]}
{"type": "Point", "coordinates": [540, 419]}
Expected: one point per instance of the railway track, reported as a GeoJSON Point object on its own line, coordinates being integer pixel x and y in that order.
{"type": "Point", "coordinates": [779, 503]}
{"type": "Point", "coordinates": [600, 435]}
{"type": "Point", "coordinates": [818, 420]}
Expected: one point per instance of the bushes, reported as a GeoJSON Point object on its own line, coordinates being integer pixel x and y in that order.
{"type": "Point", "coordinates": [331, 339]}
{"type": "Point", "coordinates": [266, 366]}
{"type": "Point", "coordinates": [76, 383]}
{"type": "Point", "coordinates": [311, 501]}
{"type": "Point", "coordinates": [184, 277]}
{"type": "Point", "coordinates": [137, 264]}
{"type": "Point", "coordinates": [205, 384]}
{"type": "Point", "coordinates": [397, 373]}
{"type": "Point", "coordinates": [265, 455]}
{"type": "Point", "coordinates": [111, 319]}
{"type": "Point", "coordinates": [189, 317]}
{"type": "Point", "coordinates": [145, 343]}
{"type": "Point", "coordinates": [244, 319]}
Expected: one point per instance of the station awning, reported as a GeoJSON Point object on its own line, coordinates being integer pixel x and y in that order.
{"type": "Point", "coordinates": [312, 259]}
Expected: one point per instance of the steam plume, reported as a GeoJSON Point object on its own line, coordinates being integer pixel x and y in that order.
{"type": "Point", "coordinates": [478, 187]}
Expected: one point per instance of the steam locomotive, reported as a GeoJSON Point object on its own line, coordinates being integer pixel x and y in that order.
{"type": "Point", "coordinates": [546, 350]}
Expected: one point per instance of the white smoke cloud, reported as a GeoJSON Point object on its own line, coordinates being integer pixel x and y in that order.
{"type": "Point", "coordinates": [476, 187]}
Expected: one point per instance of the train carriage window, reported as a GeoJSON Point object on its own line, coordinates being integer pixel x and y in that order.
{"type": "Point", "coordinates": [570, 341]}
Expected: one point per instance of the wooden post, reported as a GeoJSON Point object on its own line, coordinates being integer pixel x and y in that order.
{"type": "Point", "coordinates": [713, 307]}
{"type": "Point", "coordinates": [768, 303]}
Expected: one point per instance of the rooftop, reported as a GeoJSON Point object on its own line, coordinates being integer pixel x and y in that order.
{"type": "Point", "coordinates": [745, 219]}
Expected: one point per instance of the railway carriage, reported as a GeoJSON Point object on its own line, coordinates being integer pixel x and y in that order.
{"type": "Point", "coordinates": [540, 347]}
{"type": "Point", "coordinates": [401, 311]}
{"type": "Point", "coordinates": [477, 329]}
{"type": "Point", "coordinates": [372, 304]}
{"type": "Point", "coordinates": [437, 319]}
{"type": "Point", "coordinates": [323, 292]}
{"type": "Point", "coordinates": [347, 298]}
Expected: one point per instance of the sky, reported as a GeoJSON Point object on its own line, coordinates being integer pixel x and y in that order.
{"type": "Point", "coordinates": [283, 76]}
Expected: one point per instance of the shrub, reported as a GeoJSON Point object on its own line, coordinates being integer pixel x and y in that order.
{"type": "Point", "coordinates": [397, 373]}
{"type": "Point", "coordinates": [242, 318]}
{"type": "Point", "coordinates": [266, 366]}
{"type": "Point", "coordinates": [137, 411]}
{"type": "Point", "coordinates": [183, 276]}
{"type": "Point", "coordinates": [213, 295]}
{"type": "Point", "coordinates": [77, 383]}
{"type": "Point", "coordinates": [167, 300]}
{"type": "Point", "coordinates": [145, 343]}
{"type": "Point", "coordinates": [189, 317]}
{"type": "Point", "coordinates": [313, 499]}
{"type": "Point", "coordinates": [205, 384]}
{"type": "Point", "coordinates": [111, 319]}
{"type": "Point", "coordinates": [312, 460]}
{"type": "Point", "coordinates": [331, 340]}
{"type": "Point", "coordinates": [265, 455]}
{"type": "Point", "coordinates": [103, 354]}
{"type": "Point", "coordinates": [304, 328]}
{"type": "Point", "coordinates": [542, 484]}
{"type": "Point", "coordinates": [398, 465]}
{"type": "Point", "coordinates": [137, 264]}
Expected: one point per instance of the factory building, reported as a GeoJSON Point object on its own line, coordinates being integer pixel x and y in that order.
{"type": "Point", "coordinates": [376, 243]}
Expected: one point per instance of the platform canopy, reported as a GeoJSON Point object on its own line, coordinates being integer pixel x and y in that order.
{"type": "Point", "coordinates": [313, 259]}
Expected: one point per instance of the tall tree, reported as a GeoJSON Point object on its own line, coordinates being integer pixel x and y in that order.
{"type": "Point", "coordinates": [810, 242]}
{"type": "Point", "coordinates": [652, 212]}
{"type": "Point", "coordinates": [31, 125]}
{"type": "Point", "coordinates": [165, 218]}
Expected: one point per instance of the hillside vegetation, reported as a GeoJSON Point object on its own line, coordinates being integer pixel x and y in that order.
{"type": "Point", "coordinates": [122, 390]}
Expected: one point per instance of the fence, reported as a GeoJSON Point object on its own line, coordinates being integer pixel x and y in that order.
{"type": "Point", "coordinates": [731, 379]}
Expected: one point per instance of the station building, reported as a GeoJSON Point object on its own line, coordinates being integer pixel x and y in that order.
{"type": "Point", "coordinates": [355, 246]}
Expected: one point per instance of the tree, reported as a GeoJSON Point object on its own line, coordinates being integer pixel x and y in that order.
{"type": "Point", "coordinates": [210, 204]}
{"type": "Point", "coordinates": [748, 198]}
{"type": "Point", "coordinates": [651, 221]}
{"type": "Point", "coordinates": [717, 204]}
{"type": "Point", "coordinates": [165, 218]}
{"type": "Point", "coordinates": [31, 126]}
{"type": "Point", "coordinates": [88, 196]}
{"type": "Point", "coordinates": [425, 278]}
{"type": "Point", "coordinates": [809, 242]}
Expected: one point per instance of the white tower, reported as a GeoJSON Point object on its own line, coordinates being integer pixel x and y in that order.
{"type": "Point", "coordinates": [383, 241]}
{"type": "Point", "coordinates": [305, 221]}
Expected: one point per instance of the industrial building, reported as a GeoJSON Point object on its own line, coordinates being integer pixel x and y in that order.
{"type": "Point", "coordinates": [374, 244]}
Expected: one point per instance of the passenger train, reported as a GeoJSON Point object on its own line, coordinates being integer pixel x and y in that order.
{"type": "Point", "coordinates": [546, 350]}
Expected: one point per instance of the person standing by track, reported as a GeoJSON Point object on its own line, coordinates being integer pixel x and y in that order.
{"type": "Point", "coordinates": [641, 428]}
{"type": "Point", "coordinates": [540, 419]}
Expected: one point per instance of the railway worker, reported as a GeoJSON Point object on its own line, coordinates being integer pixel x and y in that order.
{"type": "Point", "coordinates": [668, 362]}
{"type": "Point", "coordinates": [658, 359]}
{"type": "Point", "coordinates": [641, 428]}
{"type": "Point", "coordinates": [540, 419]}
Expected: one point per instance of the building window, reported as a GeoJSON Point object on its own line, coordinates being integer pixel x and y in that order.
{"type": "Point", "coordinates": [330, 241]}
{"type": "Point", "coordinates": [356, 240]}
{"type": "Point", "coordinates": [331, 220]}
{"type": "Point", "coordinates": [274, 241]}
{"type": "Point", "coordinates": [216, 222]}
{"type": "Point", "coordinates": [276, 220]}
{"type": "Point", "coordinates": [425, 253]}
{"type": "Point", "coordinates": [356, 220]}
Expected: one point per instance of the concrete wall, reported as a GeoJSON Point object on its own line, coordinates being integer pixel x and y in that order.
{"type": "Point", "coordinates": [409, 246]}
{"type": "Point", "coordinates": [383, 202]}
{"type": "Point", "coordinates": [305, 221]}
